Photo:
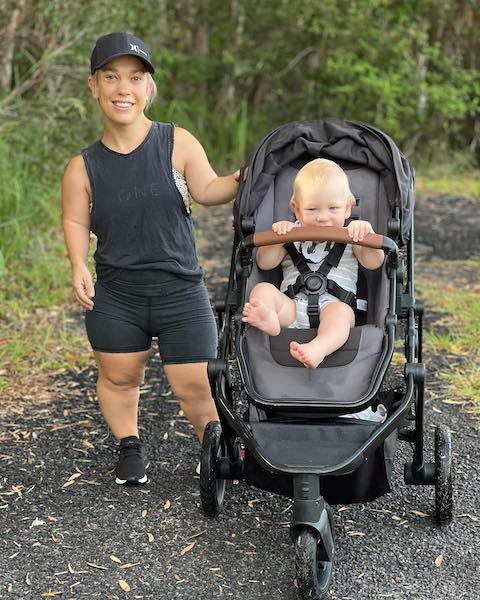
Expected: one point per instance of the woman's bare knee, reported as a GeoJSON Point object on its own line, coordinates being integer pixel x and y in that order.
{"type": "Point", "coordinates": [122, 371]}
{"type": "Point", "coordinates": [189, 381]}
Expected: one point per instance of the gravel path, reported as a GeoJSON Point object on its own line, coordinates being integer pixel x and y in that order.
{"type": "Point", "coordinates": [68, 531]}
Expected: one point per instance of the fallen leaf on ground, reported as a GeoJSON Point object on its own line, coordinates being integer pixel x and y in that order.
{"type": "Point", "coordinates": [187, 548]}
{"type": "Point", "coordinates": [144, 514]}
{"type": "Point", "coordinates": [458, 350]}
{"type": "Point", "coordinates": [73, 572]}
{"type": "Point", "coordinates": [115, 559]}
{"type": "Point", "coordinates": [195, 535]}
{"type": "Point", "coordinates": [439, 560]}
{"type": "Point", "coordinates": [37, 523]}
{"type": "Point", "coordinates": [71, 479]}
{"type": "Point", "coordinates": [96, 566]}
{"type": "Point", "coordinates": [129, 565]}
{"type": "Point", "coordinates": [124, 585]}
{"type": "Point", "coordinates": [150, 537]}
{"type": "Point", "coordinates": [167, 505]}
{"type": "Point", "coordinates": [469, 516]}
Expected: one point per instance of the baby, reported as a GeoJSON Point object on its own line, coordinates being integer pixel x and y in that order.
{"type": "Point", "coordinates": [321, 197]}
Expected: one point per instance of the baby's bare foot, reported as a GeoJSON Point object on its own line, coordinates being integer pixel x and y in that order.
{"type": "Point", "coordinates": [309, 355]}
{"type": "Point", "coordinates": [262, 317]}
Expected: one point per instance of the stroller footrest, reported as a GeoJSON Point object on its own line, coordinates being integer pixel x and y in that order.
{"type": "Point", "coordinates": [312, 445]}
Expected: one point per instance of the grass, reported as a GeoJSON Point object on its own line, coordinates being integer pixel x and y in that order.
{"type": "Point", "coordinates": [457, 177]}
{"type": "Point", "coordinates": [455, 334]}
{"type": "Point", "coordinates": [37, 331]}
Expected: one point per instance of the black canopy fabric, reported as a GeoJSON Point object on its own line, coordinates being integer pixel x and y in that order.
{"type": "Point", "coordinates": [338, 140]}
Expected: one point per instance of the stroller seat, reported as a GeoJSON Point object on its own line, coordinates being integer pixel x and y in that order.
{"type": "Point", "coordinates": [346, 377]}
{"type": "Point", "coordinates": [288, 379]}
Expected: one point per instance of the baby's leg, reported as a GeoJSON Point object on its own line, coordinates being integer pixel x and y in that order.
{"type": "Point", "coordinates": [269, 309]}
{"type": "Point", "coordinates": [336, 320]}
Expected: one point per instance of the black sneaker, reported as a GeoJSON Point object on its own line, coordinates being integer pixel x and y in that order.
{"type": "Point", "coordinates": [132, 462]}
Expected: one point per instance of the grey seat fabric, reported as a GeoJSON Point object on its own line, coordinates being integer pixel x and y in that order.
{"type": "Point", "coordinates": [345, 384]}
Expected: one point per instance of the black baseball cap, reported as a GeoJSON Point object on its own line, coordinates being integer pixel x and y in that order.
{"type": "Point", "coordinates": [113, 45]}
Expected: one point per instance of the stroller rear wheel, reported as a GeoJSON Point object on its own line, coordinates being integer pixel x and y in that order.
{"type": "Point", "coordinates": [443, 475]}
{"type": "Point", "coordinates": [212, 488]}
{"type": "Point", "coordinates": [313, 571]}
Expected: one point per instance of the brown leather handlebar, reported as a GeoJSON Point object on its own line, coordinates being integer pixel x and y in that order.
{"type": "Point", "coordinates": [317, 234]}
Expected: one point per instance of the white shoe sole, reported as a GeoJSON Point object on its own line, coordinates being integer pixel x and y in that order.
{"type": "Point", "coordinates": [143, 479]}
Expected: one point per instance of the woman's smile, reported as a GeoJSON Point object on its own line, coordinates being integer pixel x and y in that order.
{"type": "Point", "coordinates": [122, 105]}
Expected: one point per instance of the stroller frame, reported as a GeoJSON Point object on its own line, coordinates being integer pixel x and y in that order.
{"type": "Point", "coordinates": [226, 442]}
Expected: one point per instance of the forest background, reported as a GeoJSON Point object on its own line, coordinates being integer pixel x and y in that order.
{"type": "Point", "coordinates": [229, 71]}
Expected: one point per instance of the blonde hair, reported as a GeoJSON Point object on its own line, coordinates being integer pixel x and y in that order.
{"type": "Point", "coordinates": [316, 172]}
{"type": "Point", "coordinates": [153, 93]}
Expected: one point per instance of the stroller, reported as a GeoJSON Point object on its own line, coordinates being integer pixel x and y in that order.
{"type": "Point", "coordinates": [285, 428]}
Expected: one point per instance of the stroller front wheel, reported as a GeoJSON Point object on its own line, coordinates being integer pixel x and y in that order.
{"type": "Point", "coordinates": [212, 488]}
{"type": "Point", "coordinates": [314, 573]}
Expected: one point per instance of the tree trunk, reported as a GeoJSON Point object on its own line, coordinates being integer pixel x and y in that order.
{"type": "Point", "coordinates": [7, 45]}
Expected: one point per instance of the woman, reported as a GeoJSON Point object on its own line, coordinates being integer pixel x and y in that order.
{"type": "Point", "coordinates": [125, 189]}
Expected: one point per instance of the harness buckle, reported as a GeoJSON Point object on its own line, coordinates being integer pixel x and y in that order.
{"type": "Point", "coordinates": [315, 283]}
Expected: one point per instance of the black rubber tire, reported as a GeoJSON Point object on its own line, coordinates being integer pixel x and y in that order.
{"type": "Point", "coordinates": [313, 576]}
{"type": "Point", "coordinates": [443, 476]}
{"type": "Point", "coordinates": [212, 489]}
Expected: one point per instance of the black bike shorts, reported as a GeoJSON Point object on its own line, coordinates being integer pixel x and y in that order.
{"type": "Point", "coordinates": [127, 313]}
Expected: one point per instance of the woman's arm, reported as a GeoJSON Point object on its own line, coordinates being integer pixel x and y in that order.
{"type": "Point", "coordinates": [203, 183]}
{"type": "Point", "coordinates": [76, 228]}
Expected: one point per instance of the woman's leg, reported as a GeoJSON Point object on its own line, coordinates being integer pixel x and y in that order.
{"type": "Point", "coordinates": [118, 389]}
{"type": "Point", "coordinates": [189, 383]}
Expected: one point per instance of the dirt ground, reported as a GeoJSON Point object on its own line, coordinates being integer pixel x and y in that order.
{"type": "Point", "coordinates": [68, 531]}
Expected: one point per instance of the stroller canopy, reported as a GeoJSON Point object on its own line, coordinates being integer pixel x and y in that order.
{"type": "Point", "coordinates": [338, 140]}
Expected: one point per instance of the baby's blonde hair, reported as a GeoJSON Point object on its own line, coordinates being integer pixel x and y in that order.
{"type": "Point", "coordinates": [315, 173]}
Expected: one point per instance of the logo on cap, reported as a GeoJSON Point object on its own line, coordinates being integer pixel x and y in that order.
{"type": "Point", "coordinates": [136, 48]}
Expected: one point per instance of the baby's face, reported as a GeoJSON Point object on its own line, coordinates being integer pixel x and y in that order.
{"type": "Point", "coordinates": [324, 205]}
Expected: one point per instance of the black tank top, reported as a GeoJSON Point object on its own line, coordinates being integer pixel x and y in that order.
{"type": "Point", "coordinates": [138, 214]}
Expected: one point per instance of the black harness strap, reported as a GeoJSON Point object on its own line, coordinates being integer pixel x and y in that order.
{"type": "Point", "coordinates": [315, 283]}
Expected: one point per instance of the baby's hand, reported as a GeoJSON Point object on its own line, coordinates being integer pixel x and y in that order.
{"type": "Point", "coordinates": [282, 227]}
{"type": "Point", "coordinates": [357, 230]}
